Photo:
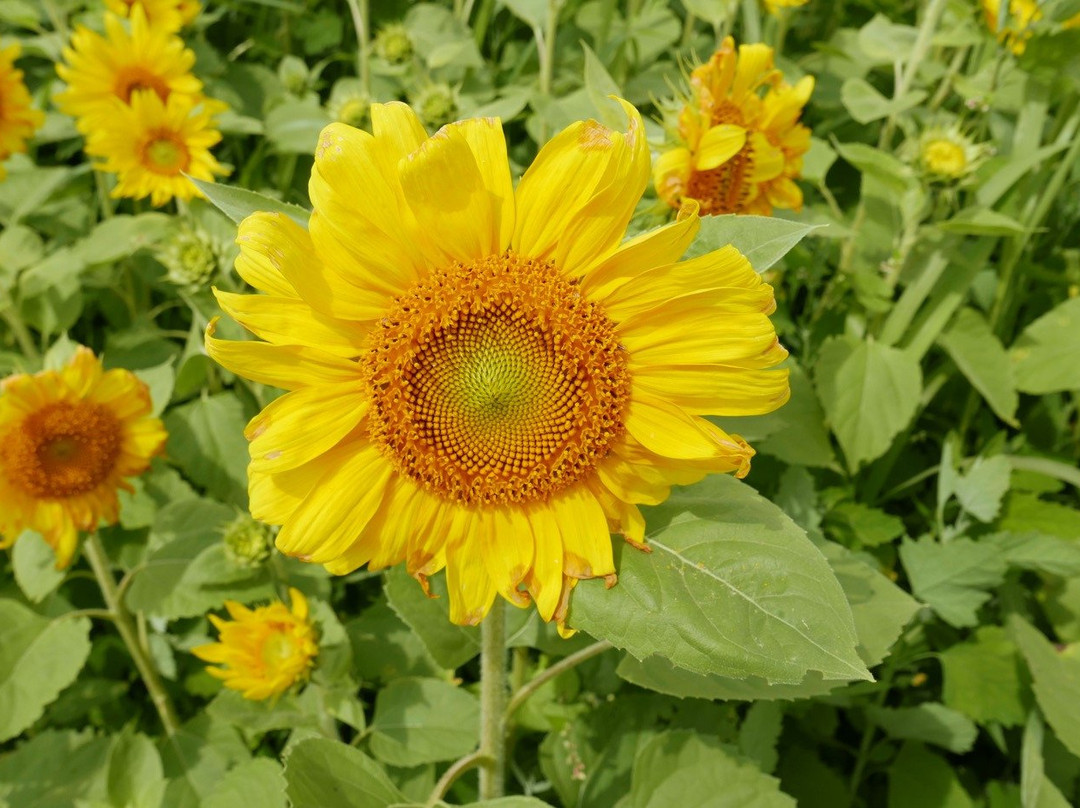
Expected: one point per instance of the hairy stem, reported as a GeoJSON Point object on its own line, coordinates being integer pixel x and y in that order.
{"type": "Point", "coordinates": [492, 703]}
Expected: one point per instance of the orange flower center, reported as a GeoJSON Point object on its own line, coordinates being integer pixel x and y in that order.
{"type": "Point", "coordinates": [62, 450]}
{"type": "Point", "coordinates": [279, 650]}
{"type": "Point", "coordinates": [165, 154]}
{"type": "Point", "coordinates": [724, 189]}
{"type": "Point", "coordinates": [137, 77]}
{"type": "Point", "coordinates": [496, 382]}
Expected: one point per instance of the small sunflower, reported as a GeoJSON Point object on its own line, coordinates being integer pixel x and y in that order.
{"type": "Point", "coordinates": [946, 154]}
{"type": "Point", "coordinates": [262, 652]}
{"type": "Point", "coordinates": [18, 119]}
{"type": "Point", "coordinates": [482, 378]}
{"type": "Point", "coordinates": [169, 15]}
{"type": "Point", "coordinates": [68, 438]}
{"type": "Point", "coordinates": [151, 145]}
{"type": "Point", "coordinates": [102, 70]}
{"type": "Point", "coordinates": [740, 150]}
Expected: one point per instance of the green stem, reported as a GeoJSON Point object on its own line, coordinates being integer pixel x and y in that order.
{"type": "Point", "coordinates": [751, 21]}
{"type": "Point", "coordinates": [688, 29]}
{"type": "Point", "coordinates": [450, 776]}
{"type": "Point", "coordinates": [360, 12]}
{"type": "Point", "coordinates": [10, 315]}
{"type": "Point", "coordinates": [492, 703]}
{"type": "Point", "coordinates": [99, 563]}
{"type": "Point", "coordinates": [562, 666]}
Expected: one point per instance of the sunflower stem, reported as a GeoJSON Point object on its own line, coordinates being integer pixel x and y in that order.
{"type": "Point", "coordinates": [492, 703]}
{"type": "Point", "coordinates": [359, 11]}
{"type": "Point", "coordinates": [99, 563]}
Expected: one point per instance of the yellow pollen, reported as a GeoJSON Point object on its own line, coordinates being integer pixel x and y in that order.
{"type": "Point", "coordinates": [62, 450]}
{"type": "Point", "coordinates": [944, 157]}
{"type": "Point", "coordinates": [164, 155]}
{"type": "Point", "coordinates": [496, 382]}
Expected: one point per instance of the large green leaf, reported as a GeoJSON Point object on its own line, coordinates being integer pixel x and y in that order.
{"type": "Point", "coordinates": [1044, 356]}
{"type": "Point", "coordinates": [1056, 681]}
{"type": "Point", "coordinates": [684, 769]}
{"type": "Point", "coordinates": [869, 391]}
{"type": "Point", "coordinates": [918, 779]}
{"type": "Point", "coordinates": [320, 773]}
{"type": "Point", "coordinates": [930, 723]}
{"type": "Point", "coordinates": [55, 770]}
{"type": "Point", "coordinates": [764, 240]}
{"type": "Point", "coordinates": [732, 587]}
{"type": "Point", "coordinates": [953, 578]}
{"type": "Point", "coordinates": [258, 783]}
{"type": "Point", "coordinates": [981, 357]}
{"type": "Point", "coordinates": [984, 678]}
{"type": "Point", "coordinates": [39, 657]}
{"type": "Point", "coordinates": [206, 439]}
{"type": "Point", "coordinates": [34, 563]}
{"type": "Point", "coordinates": [423, 721]}
{"type": "Point", "coordinates": [136, 777]}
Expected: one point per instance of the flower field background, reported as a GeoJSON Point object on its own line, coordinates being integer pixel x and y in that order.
{"type": "Point", "coordinates": [851, 567]}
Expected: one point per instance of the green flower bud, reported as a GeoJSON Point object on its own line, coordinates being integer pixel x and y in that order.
{"type": "Point", "coordinates": [436, 105]}
{"type": "Point", "coordinates": [348, 103]}
{"type": "Point", "coordinates": [247, 542]}
{"type": "Point", "coordinates": [394, 44]}
{"type": "Point", "coordinates": [190, 258]}
{"type": "Point", "coordinates": [294, 75]}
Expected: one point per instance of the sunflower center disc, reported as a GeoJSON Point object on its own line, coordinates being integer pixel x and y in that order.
{"type": "Point", "coordinates": [496, 382]}
{"type": "Point", "coordinates": [165, 155]}
{"type": "Point", "coordinates": [62, 450]}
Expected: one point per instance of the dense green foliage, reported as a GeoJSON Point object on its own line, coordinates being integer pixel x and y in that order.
{"type": "Point", "coordinates": [886, 612]}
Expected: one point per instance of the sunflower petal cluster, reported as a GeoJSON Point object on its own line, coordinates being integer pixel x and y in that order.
{"type": "Point", "coordinates": [264, 651]}
{"type": "Point", "coordinates": [18, 118]}
{"type": "Point", "coordinates": [69, 438]}
{"type": "Point", "coordinates": [168, 15]}
{"type": "Point", "coordinates": [739, 144]}
{"type": "Point", "coordinates": [485, 378]}
{"type": "Point", "coordinates": [142, 111]}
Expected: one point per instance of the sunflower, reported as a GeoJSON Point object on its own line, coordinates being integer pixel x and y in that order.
{"type": "Point", "coordinates": [18, 119]}
{"type": "Point", "coordinates": [151, 145]}
{"type": "Point", "coordinates": [170, 15]}
{"type": "Point", "coordinates": [262, 652]}
{"type": "Point", "coordinates": [739, 151]}
{"type": "Point", "coordinates": [1017, 24]}
{"type": "Point", "coordinates": [485, 379]}
{"type": "Point", "coordinates": [946, 154]}
{"type": "Point", "coordinates": [100, 70]}
{"type": "Point", "coordinates": [68, 438]}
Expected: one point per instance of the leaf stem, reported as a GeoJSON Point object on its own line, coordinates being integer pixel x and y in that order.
{"type": "Point", "coordinates": [450, 776]}
{"type": "Point", "coordinates": [492, 703]}
{"type": "Point", "coordinates": [99, 563]}
{"type": "Point", "coordinates": [527, 690]}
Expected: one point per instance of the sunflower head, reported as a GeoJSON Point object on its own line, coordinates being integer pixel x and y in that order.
{"type": "Point", "coordinates": [105, 72]}
{"type": "Point", "coordinates": [488, 379]}
{"type": "Point", "coordinates": [18, 119]}
{"type": "Point", "coordinates": [150, 146]}
{"type": "Point", "coordinates": [262, 652]}
{"type": "Point", "coordinates": [68, 440]}
{"type": "Point", "coordinates": [739, 143]}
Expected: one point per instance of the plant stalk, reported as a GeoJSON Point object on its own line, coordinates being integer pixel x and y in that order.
{"type": "Point", "coordinates": [493, 703]}
{"type": "Point", "coordinates": [360, 11]}
{"type": "Point", "coordinates": [99, 563]}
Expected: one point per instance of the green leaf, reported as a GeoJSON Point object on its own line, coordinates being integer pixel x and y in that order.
{"type": "Point", "coordinates": [866, 104]}
{"type": "Point", "coordinates": [862, 525]}
{"type": "Point", "coordinates": [870, 392]}
{"type": "Point", "coordinates": [684, 769]}
{"type": "Point", "coordinates": [39, 657]}
{"type": "Point", "coordinates": [136, 777]}
{"type": "Point", "coordinates": [423, 721]}
{"type": "Point", "coordinates": [34, 564]}
{"type": "Point", "coordinates": [878, 164]}
{"type": "Point", "coordinates": [1034, 551]}
{"type": "Point", "coordinates": [120, 236]}
{"type": "Point", "coordinates": [1025, 512]}
{"type": "Point", "coordinates": [258, 783]}
{"type": "Point", "coordinates": [980, 490]}
{"type": "Point", "coordinates": [1044, 356]}
{"type": "Point", "coordinates": [206, 440]}
{"type": "Point", "coordinates": [197, 757]}
{"type": "Point", "coordinates": [600, 86]}
{"type": "Point", "coordinates": [239, 203]}
{"type": "Point", "coordinates": [952, 578]}
{"type": "Point", "coordinates": [450, 645]}
{"type": "Point", "coordinates": [1056, 681]}
{"type": "Point", "coordinates": [384, 648]}
{"type": "Point", "coordinates": [55, 770]}
{"type": "Point", "coordinates": [931, 723]}
{"type": "Point", "coordinates": [759, 734]}
{"type": "Point", "coordinates": [293, 127]}
{"type": "Point", "coordinates": [919, 779]}
{"type": "Point", "coordinates": [982, 222]}
{"type": "Point", "coordinates": [321, 773]}
{"type": "Point", "coordinates": [732, 587]}
{"type": "Point", "coordinates": [984, 678]}
{"type": "Point", "coordinates": [1036, 789]}
{"type": "Point", "coordinates": [764, 240]}
{"type": "Point", "coordinates": [981, 357]}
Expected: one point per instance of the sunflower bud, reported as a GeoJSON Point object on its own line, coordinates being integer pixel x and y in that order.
{"type": "Point", "coordinates": [294, 75]}
{"type": "Point", "coordinates": [247, 542]}
{"type": "Point", "coordinates": [945, 154]}
{"type": "Point", "coordinates": [436, 105]}
{"type": "Point", "coordinates": [190, 256]}
{"type": "Point", "coordinates": [394, 44]}
{"type": "Point", "coordinates": [348, 103]}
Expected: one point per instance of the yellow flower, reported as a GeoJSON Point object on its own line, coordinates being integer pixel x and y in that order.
{"type": "Point", "coordinates": [1023, 14]}
{"type": "Point", "coordinates": [740, 150]}
{"type": "Point", "coordinates": [262, 652]}
{"type": "Point", "coordinates": [18, 119]}
{"type": "Point", "coordinates": [169, 15]}
{"type": "Point", "coordinates": [946, 153]}
{"type": "Point", "coordinates": [104, 72]}
{"type": "Point", "coordinates": [774, 6]}
{"type": "Point", "coordinates": [68, 438]}
{"type": "Point", "coordinates": [150, 145]}
{"type": "Point", "coordinates": [484, 379]}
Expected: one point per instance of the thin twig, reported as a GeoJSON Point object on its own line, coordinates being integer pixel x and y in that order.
{"type": "Point", "coordinates": [546, 675]}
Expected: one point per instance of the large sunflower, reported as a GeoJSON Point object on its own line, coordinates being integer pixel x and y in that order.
{"type": "Point", "coordinates": [18, 119]}
{"type": "Point", "coordinates": [68, 438]}
{"type": "Point", "coordinates": [482, 378]}
{"type": "Point", "coordinates": [151, 145]}
{"type": "Point", "coordinates": [103, 70]}
{"type": "Point", "coordinates": [739, 149]}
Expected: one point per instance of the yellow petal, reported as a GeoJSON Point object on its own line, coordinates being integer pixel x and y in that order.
{"type": "Point", "coordinates": [716, 389]}
{"type": "Point", "coordinates": [338, 507]}
{"type": "Point", "coordinates": [718, 145]}
{"type": "Point", "coordinates": [585, 536]}
{"type": "Point", "coordinates": [640, 483]}
{"type": "Point", "coordinates": [468, 583]}
{"type": "Point", "coordinates": [291, 321]}
{"type": "Point", "coordinates": [545, 579]}
{"type": "Point", "coordinates": [275, 497]}
{"type": "Point", "coordinates": [488, 143]}
{"type": "Point", "coordinates": [663, 428]}
{"type": "Point", "coordinates": [577, 197]}
{"type": "Point", "coordinates": [397, 125]}
{"type": "Point", "coordinates": [286, 366]}
{"type": "Point", "coordinates": [508, 550]}
{"type": "Point", "coordinates": [301, 425]}
{"type": "Point", "coordinates": [671, 173]}
{"type": "Point", "coordinates": [768, 160]}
